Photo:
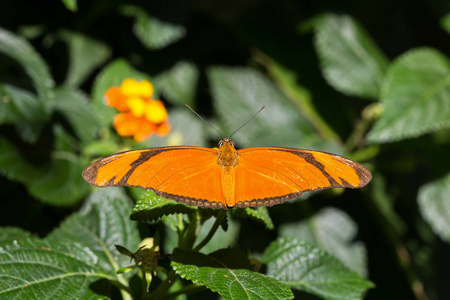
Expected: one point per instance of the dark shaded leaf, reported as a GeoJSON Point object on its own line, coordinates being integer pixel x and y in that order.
{"type": "Point", "coordinates": [85, 54]}
{"type": "Point", "coordinates": [179, 83]}
{"type": "Point", "coordinates": [19, 49]}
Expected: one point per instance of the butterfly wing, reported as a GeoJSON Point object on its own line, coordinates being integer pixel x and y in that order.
{"type": "Point", "coordinates": [189, 175]}
{"type": "Point", "coordinates": [267, 176]}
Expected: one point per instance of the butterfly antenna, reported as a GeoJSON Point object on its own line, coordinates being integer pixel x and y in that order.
{"type": "Point", "coordinates": [247, 121]}
{"type": "Point", "coordinates": [204, 120]}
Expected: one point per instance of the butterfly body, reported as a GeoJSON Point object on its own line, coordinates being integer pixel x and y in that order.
{"type": "Point", "coordinates": [226, 177]}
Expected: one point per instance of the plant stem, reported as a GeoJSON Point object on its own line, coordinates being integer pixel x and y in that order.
{"type": "Point", "coordinates": [220, 217]}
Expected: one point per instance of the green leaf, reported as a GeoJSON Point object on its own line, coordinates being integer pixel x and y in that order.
{"type": "Point", "coordinates": [11, 234]}
{"type": "Point", "coordinates": [179, 83]}
{"type": "Point", "coordinates": [85, 54]}
{"type": "Point", "coordinates": [225, 236]}
{"type": "Point", "coordinates": [74, 105]}
{"type": "Point", "coordinates": [153, 33]}
{"type": "Point", "coordinates": [227, 273]}
{"type": "Point", "coordinates": [238, 93]}
{"type": "Point", "coordinates": [102, 223]}
{"type": "Point", "coordinates": [151, 207]}
{"type": "Point", "coordinates": [35, 269]}
{"type": "Point", "coordinates": [260, 214]}
{"type": "Point", "coordinates": [19, 49]}
{"type": "Point", "coordinates": [60, 183]}
{"type": "Point", "coordinates": [112, 75]}
{"type": "Point", "coordinates": [24, 110]}
{"type": "Point", "coordinates": [305, 267]}
{"type": "Point", "coordinates": [350, 61]}
{"type": "Point", "coordinates": [334, 231]}
{"type": "Point", "coordinates": [445, 22]}
{"type": "Point", "coordinates": [415, 97]}
{"type": "Point", "coordinates": [13, 165]}
{"type": "Point", "coordinates": [435, 206]}
{"type": "Point", "coordinates": [70, 5]}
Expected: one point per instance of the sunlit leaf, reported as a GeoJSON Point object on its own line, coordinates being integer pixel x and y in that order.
{"type": "Point", "coordinates": [434, 205]}
{"type": "Point", "coordinates": [154, 33]}
{"type": "Point", "coordinates": [307, 268]}
{"type": "Point", "coordinates": [350, 61]}
{"type": "Point", "coordinates": [11, 234]}
{"type": "Point", "coordinates": [415, 96]}
{"type": "Point", "coordinates": [85, 54]}
{"type": "Point", "coordinates": [35, 269]}
{"type": "Point", "coordinates": [333, 231]}
{"type": "Point", "coordinates": [227, 273]}
{"type": "Point", "coordinates": [70, 5]}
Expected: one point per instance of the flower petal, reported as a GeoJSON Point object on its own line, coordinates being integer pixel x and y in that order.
{"type": "Point", "coordinates": [137, 106]}
{"type": "Point", "coordinates": [132, 88]}
{"type": "Point", "coordinates": [155, 111]}
{"type": "Point", "coordinates": [115, 98]}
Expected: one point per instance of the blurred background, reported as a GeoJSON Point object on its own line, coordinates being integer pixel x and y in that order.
{"type": "Point", "coordinates": [365, 79]}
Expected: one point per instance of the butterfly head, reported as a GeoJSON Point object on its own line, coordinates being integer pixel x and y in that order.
{"type": "Point", "coordinates": [226, 142]}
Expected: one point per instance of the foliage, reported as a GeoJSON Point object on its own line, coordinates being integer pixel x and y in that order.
{"type": "Point", "coordinates": [350, 83]}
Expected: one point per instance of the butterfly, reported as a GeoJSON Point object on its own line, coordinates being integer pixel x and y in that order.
{"type": "Point", "coordinates": [225, 177]}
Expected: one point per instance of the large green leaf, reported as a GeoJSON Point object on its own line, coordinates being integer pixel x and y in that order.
{"type": "Point", "coordinates": [333, 231]}
{"type": "Point", "coordinates": [24, 110]}
{"type": "Point", "coordinates": [70, 4]}
{"type": "Point", "coordinates": [85, 54]}
{"type": "Point", "coordinates": [350, 60]}
{"type": "Point", "coordinates": [434, 205]}
{"type": "Point", "coordinates": [415, 96]}
{"type": "Point", "coordinates": [227, 272]}
{"type": "Point", "coordinates": [74, 105]}
{"type": "Point", "coordinates": [445, 22]}
{"type": "Point", "coordinates": [112, 75]}
{"type": "Point", "coordinates": [102, 222]}
{"type": "Point", "coordinates": [19, 49]}
{"type": "Point", "coordinates": [238, 93]}
{"type": "Point", "coordinates": [52, 269]}
{"type": "Point", "coordinates": [153, 33]}
{"type": "Point", "coordinates": [305, 267]}
{"type": "Point", "coordinates": [179, 84]}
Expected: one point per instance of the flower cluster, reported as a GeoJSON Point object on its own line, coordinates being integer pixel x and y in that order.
{"type": "Point", "coordinates": [140, 116]}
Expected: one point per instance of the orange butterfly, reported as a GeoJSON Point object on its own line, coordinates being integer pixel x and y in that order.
{"type": "Point", "coordinates": [226, 177]}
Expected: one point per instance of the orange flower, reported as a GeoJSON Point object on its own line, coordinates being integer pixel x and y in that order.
{"type": "Point", "coordinates": [140, 116]}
